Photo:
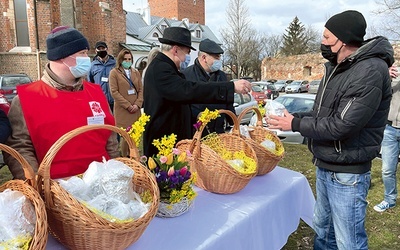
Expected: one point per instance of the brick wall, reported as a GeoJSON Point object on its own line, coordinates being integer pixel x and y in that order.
{"type": "Point", "coordinates": [302, 67]}
{"type": "Point", "coordinates": [22, 63]}
{"type": "Point", "coordinates": [194, 10]}
{"type": "Point", "coordinates": [88, 17]}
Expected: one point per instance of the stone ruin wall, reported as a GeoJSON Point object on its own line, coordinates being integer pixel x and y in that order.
{"type": "Point", "coordinates": [301, 67]}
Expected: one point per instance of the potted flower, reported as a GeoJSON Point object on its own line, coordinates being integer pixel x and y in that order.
{"type": "Point", "coordinates": [173, 177]}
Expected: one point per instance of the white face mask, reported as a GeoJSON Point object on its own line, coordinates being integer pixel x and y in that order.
{"type": "Point", "coordinates": [82, 66]}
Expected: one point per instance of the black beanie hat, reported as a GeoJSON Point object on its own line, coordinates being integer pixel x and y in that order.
{"type": "Point", "coordinates": [64, 41]}
{"type": "Point", "coordinates": [349, 26]}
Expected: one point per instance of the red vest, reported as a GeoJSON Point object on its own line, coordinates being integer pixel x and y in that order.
{"type": "Point", "coordinates": [50, 113]}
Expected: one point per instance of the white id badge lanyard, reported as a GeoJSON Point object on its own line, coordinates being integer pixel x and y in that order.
{"type": "Point", "coordinates": [131, 92]}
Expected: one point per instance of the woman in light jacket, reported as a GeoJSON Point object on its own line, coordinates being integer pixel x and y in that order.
{"type": "Point", "coordinates": [127, 90]}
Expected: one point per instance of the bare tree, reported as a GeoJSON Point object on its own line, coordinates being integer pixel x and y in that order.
{"type": "Point", "coordinates": [390, 10]}
{"type": "Point", "coordinates": [273, 44]}
{"type": "Point", "coordinates": [239, 38]}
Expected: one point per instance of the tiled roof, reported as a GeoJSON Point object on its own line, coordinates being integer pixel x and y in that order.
{"type": "Point", "coordinates": [137, 27]}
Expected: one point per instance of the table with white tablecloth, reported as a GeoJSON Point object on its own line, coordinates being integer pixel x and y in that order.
{"type": "Point", "coordinates": [261, 216]}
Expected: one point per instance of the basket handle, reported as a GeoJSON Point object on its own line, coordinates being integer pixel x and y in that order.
{"type": "Point", "coordinates": [257, 111]}
{"type": "Point", "coordinates": [28, 170]}
{"type": "Point", "coordinates": [44, 168]}
{"type": "Point", "coordinates": [195, 144]}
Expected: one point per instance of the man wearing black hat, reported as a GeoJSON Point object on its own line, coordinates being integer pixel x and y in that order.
{"type": "Point", "coordinates": [59, 102]}
{"type": "Point", "coordinates": [206, 68]}
{"type": "Point", "coordinates": [168, 95]}
{"type": "Point", "coordinates": [99, 72]}
{"type": "Point", "coordinates": [345, 129]}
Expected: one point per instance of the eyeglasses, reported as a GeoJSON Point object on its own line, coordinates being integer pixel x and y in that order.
{"type": "Point", "coordinates": [186, 53]}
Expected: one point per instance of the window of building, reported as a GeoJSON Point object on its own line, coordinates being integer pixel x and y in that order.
{"type": "Point", "coordinates": [306, 71]}
{"type": "Point", "coordinates": [198, 33]}
{"type": "Point", "coordinates": [155, 34]}
{"type": "Point", "coordinates": [163, 26]}
{"type": "Point", "coordinates": [21, 23]}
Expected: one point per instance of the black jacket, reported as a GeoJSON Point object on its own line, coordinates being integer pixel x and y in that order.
{"type": "Point", "coordinates": [196, 73]}
{"type": "Point", "coordinates": [5, 127]}
{"type": "Point", "coordinates": [168, 95]}
{"type": "Point", "coordinates": [346, 126]}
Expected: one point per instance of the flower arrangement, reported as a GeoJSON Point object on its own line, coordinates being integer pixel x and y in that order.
{"type": "Point", "coordinates": [136, 130]}
{"type": "Point", "coordinates": [261, 108]}
{"type": "Point", "coordinates": [172, 171]}
{"type": "Point", "coordinates": [205, 117]}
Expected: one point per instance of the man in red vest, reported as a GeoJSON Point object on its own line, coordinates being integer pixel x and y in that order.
{"type": "Point", "coordinates": [59, 102]}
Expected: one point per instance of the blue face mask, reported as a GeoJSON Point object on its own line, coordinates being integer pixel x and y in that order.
{"type": "Point", "coordinates": [185, 63]}
{"type": "Point", "coordinates": [217, 64]}
{"type": "Point", "coordinates": [82, 66]}
{"type": "Point", "coordinates": [126, 65]}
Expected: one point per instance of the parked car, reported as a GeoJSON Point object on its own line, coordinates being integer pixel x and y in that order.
{"type": "Point", "coordinates": [293, 103]}
{"type": "Point", "coordinates": [9, 82]}
{"type": "Point", "coordinates": [258, 93]}
{"type": "Point", "coordinates": [269, 89]}
{"type": "Point", "coordinates": [242, 101]}
{"type": "Point", "coordinates": [4, 104]}
{"type": "Point", "coordinates": [314, 85]}
{"type": "Point", "coordinates": [297, 87]}
{"type": "Point", "coordinates": [280, 85]}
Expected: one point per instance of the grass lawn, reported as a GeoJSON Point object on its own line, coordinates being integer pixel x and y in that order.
{"type": "Point", "coordinates": [383, 228]}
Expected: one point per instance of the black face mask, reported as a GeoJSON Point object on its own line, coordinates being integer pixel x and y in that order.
{"type": "Point", "coordinates": [327, 53]}
{"type": "Point", "coordinates": [102, 53]}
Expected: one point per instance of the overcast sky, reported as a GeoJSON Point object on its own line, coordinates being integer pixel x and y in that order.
{"type": "Point", "coordinates": [272, 17]}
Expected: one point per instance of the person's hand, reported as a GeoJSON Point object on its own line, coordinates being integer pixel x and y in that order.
{"type": "Point", "coordinates": [242, 86]}
{"type": "Point", "coordinates": [280, 122]}
{"type": "Point", "coordinates": [133, 108]}
{"type": "Point", "coordinates": [393, 71]}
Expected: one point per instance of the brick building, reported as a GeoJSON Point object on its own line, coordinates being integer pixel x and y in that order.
{"type": "Point", "coordinates": [179, 9]}
{"type": "Point", "coordinates": [26, 24]}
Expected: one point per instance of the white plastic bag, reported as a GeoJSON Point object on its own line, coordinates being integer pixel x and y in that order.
{"type": "Point", "coordinates": [274, 108]}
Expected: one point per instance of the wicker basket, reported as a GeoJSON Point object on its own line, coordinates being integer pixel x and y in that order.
{"type": "Point", "coordinates": [28, 188]}
{"type": "Point", "coordinates": [77, 227]}
{"type": "Point", "coordinates": [267, 160]}
{"type": "Point", "coordinates": [214, 174]}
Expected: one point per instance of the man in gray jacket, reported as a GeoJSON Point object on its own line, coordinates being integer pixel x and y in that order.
{"type": "Point", "coordinates": [345, 128]}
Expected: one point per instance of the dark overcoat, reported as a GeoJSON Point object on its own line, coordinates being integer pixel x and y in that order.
{"type": "Point", "coordinates": [167, 97]}
{"type": "Point", "coordinates": [196, 73]}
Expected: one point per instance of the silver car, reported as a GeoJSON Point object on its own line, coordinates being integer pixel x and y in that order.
{"type": "Point", "coordinates": [314, 85]}
{"type": "Point", "coordinates": [242, 101]}
{"type": "Point", "coordinates": [294, 103]}
{"type": "Point", "coordinates": [297, 87]}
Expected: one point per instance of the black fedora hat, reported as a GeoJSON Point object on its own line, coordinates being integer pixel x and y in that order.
{"type": "Point", "coordinates": [177, 36]}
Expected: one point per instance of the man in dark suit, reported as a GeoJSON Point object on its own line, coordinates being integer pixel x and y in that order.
{"type": "Point", "coordinates": [168, 94]}
{"type": "Point", "coordinates": [207, 68]}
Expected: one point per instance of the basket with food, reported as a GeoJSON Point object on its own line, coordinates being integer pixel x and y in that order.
{"type": "Point", "coordinates": [23, 219]}
{"type": "Point", "coordinates": [80, 223]}
{"type": "Point", "coordinates": [225, 163]}
{"type": "Point", "coordinates": [268, 147]}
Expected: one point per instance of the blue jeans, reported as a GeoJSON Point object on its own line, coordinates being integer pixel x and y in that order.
{"type": "Point", "coordinates": [390, 156]}
{"type": "Point", "coordinates": [340, 209]}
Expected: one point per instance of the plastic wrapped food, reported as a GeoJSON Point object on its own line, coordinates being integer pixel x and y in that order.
{"type": "Point", "coordinates": [17, 220]}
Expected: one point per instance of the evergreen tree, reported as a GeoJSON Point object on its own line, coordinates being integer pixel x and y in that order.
{"type": "Point", "coordinates": [295, 41]}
